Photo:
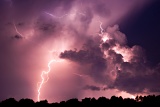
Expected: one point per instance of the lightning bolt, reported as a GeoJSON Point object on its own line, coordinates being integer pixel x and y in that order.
{"type": "Point", "coordinates": [20, 35]}
{"type": "Point", "coordinates": [15, 27]}
{"type": "Point", "coordinates": [46, 73]}
{"type": "Point", "coordinates": [101, 28]}
{"type": "Point", "coordinates": [54, 16]}
{"type": "Point", "coordinates": [80, 75]}
{"type": "Point", "coordinates": [43, 78]}
{"type": "Point", "coordinates": [69, 14]}
{"type": "Point", "coordinates": [104, 35]}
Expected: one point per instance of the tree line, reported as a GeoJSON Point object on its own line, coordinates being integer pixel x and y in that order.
{"type": "Point", "coordinates": [139, 101]}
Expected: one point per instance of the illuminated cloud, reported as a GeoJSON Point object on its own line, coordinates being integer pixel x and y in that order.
{"type": "Point", "coordinates": [115, 64]}
{"type": "Point", "coordinates": [95, 62]}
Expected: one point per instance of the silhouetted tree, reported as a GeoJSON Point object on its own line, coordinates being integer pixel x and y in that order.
{"type": "Point", "coordinates": [102, 101]}
{"type": "Point", "coordinates": [43, 103]}
{"type": "Point", "coordinates": [72, 103]}
{"type": "Point", "coordinates": [129, 102]}
{"type": "Point", "coordinates": [140, 101]}
{"type": "Point", "coordinates": [93, 102]}
{"type": "Point", "coordinates": [26, 103]}
{"type": "Point", "coordinates": [63, 104]}
{"type": "Point", "coordinates": [86, 102]}
{"type": "Point", "coordinates": [11, 102]}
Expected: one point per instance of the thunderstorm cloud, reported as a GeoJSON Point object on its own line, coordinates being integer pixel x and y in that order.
{"type": "Point", "coordinates": [85, 35]}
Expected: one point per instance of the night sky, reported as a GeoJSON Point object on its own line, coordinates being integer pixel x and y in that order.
{"type": "Point", "coordinates": [63, 49]}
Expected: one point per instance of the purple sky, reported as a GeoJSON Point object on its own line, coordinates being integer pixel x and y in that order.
{"type": "Point", "coordinates": [89, 41]}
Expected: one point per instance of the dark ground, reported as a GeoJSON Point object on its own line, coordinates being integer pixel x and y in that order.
{"type": "Point", "coordinates": [139, 101]}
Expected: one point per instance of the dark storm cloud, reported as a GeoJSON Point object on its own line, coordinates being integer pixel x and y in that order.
{"type": "Point", "coordinates": [102, 10]}
{"type": "Point", "coordinates": [91, 87]}
{"type": "Point", "coordinates": [136, 76]}
{"type": "Point", "coordinates": [133, 77]}
{"type": "Point", "coordinates": [24, 57]}
{"type": "Point", "coordinates": [31, 6]}
{"type": "Point", "coordinates": [90, 54]}
{"type": "Point", "coordinates": [47, 26]}
{"type": "Point", "coordinates": [139, 54]}
{"type": "Point", "coordinates": [96, 88]}
{"type": "Point", "coordinates": [116, 58]}
{"type": "Point", "coordinates": [136, 83]}
{"type": "Point", "coordinates": [17, 37]}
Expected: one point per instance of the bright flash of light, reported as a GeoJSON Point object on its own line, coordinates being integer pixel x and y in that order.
{"type": "Point", "coordinates": [124, 52]}
{"type": "Point", "coordinates": [133, 97]}
{"type": "Point", "coordinates": [104, 35]}
{"type": "Point", "coordinates": [126, 95]}
{"type": "Point", "coordinates": [43, 80]}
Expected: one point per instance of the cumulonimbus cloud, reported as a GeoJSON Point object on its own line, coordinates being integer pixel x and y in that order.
{"type": "Point", "coordinates": [71, 28]}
